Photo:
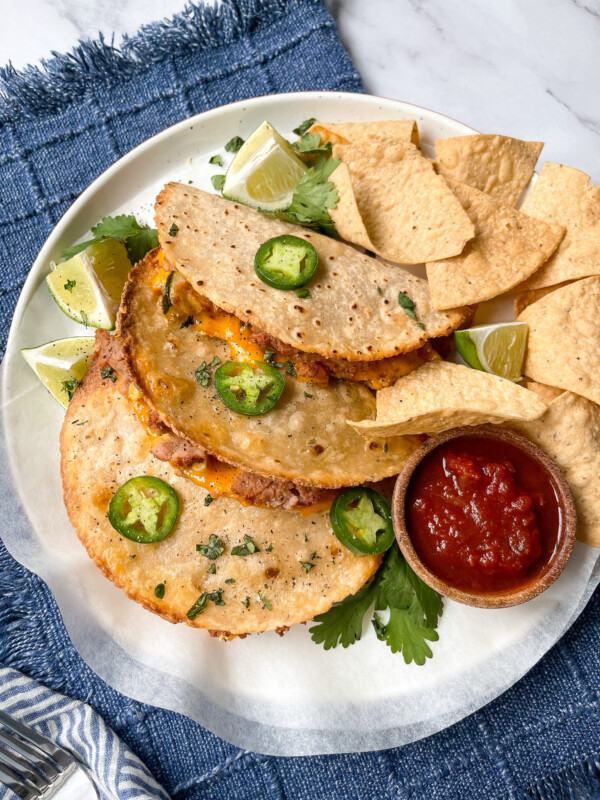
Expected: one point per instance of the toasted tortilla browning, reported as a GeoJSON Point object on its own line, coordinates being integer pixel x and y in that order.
{"type": "Point", "coordinates": [100, 454]}
{"type": "Point", "coordinates": [352, 312]}
{"type": "Point", "coordinates": [304, 439]}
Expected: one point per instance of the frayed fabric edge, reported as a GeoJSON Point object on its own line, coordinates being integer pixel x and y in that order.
{"type": "Point", "coordinates": [38, 90]}
{"type": "Point", "coordinates": [579, 782]}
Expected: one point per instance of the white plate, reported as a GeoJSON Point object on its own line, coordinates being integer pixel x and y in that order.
{"type": "Point", "coordinates": [282, 696]}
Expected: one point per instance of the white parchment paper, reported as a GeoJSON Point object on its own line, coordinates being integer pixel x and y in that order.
{"type": "Point", "coordinates": [284, 696]}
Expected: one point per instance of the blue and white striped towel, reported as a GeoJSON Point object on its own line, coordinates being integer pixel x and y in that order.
{"type": "Point", "coordinates": [118, 773]}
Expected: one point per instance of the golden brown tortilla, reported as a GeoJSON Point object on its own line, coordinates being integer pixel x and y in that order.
{"type": "Point", "coordinates": [508, 247]}
{"type": "Point", "coordinates": [304, 438]}
{"type": "Point", "coordinates": [348, 132]}
{"type": "Point", "coordinates": [442, 395]}
{"type": "Point", "coordinates": [565, 196]}
{"type": "Point", "coordinates": [524, 299]}
{"type": "Point", "coordinates": [345, 317]}
{"type": "Point", "coordinates": [563, 345]}
{"type": "Point", "coordinates": [569, 432]}
{"type": "Point", "coordinates": [103, 445]}
{"type": "Point", "coordinates": [407, 212]}
{"type": "Point", "coordinates": [498, 165]}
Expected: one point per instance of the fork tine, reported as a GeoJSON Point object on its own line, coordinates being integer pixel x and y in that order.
{"type": "Point", "coordinates": [63, 759]}
{"type": "Point", "coordinates": [29, 752]}
{"type": "Point", "coordinates": [14, 782]}
{"type": "Point", "coordinates": [23, 768]}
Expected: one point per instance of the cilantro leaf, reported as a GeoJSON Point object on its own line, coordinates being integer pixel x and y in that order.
{"type": "Point", "coordinates": [408, 305]}
{"type": "Point", "coordinates": [159, 591]}
{"type": "Point", "coordinates": [70, 285]}
{"type": "Point", "coordinates": [138, 239]}
{"type": "Point", "coordinates": [311, 143]}
{"type": "Point", "coordinates": [69, 252]}
{"type": "Point", "coordinates": [202, 374]}
{"type": "Point", "coordinates": [216, 160]}
{"type": "Point", "coordinates": [69, 387]}
{"type": "Point", "coordinates": [141, 243]}
{"type": "Point", "coordinates": [304, 126]}
{"type": "Point", "coordinates": [108, 372]}
{"type": "Point", "coordinates": [403, 635]}
{"type": "Point", "coordinates": [234, 144]}
{"type": "Point", "coordinates": [245, 549]}
{"type": "Point", "coordinates": [187, 322]}
{"type": "Point", "coordinates": [213, 549]}
{"type": "Point", "coordinates": [173, 230]}
{"type": "Point", "coordinates": [313, 195]}
{"type": "Point", "coordinates": [218, 181]}
{"type": "Point", "coordinates": [342, 624]}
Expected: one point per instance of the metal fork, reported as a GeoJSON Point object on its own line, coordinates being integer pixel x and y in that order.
{"type": "Point", "coordinates": [34, 767]}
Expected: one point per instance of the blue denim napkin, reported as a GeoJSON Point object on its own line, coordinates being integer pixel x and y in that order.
{"type": "Point", "coordinates": [60, 126]}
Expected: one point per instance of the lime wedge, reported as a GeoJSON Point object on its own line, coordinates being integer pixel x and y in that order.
{"type": "Point", "coordinates": [498, 348]}
{"type": "Point", "coordinates": [77, 291]}
{"type": "Point", "coordinates": [264, 172]}
{"type": "Point", "coordinates": [110, 263]}
{"type": "Point", "coordinates": [60, 365]}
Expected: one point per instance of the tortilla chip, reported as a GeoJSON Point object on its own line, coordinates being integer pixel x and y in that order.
{"type": "Point", "coordinates": [99, 456]}
{"type": "Point", "coordinates": [442, 395]}
{"type": "Point", "coordinates": [348, 132]}
{"type": "Point", "coordinates": [352, 312]}
{"type": "Point", "coordinates": [565, 195]}
{"type": "Point", "coordinates": [304, 438]}
{"type": "Point", "coordinates": [508, 247]}
{"type": "Point", "coordinates": [524, 299]}
{"type": "Point", "coordinates": [563, 345]}
{"type": "Point", "coordinates": [408, 212]}
{"type": "Point", "coordinates": [569, 432]}
{"type": "Point", "coordinates": [498, 165]}
{"type": "Point", "coordinates": [547, 393]}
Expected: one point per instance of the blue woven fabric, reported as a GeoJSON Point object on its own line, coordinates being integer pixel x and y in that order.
{"type": "Point", "coordinates": [61, 127]}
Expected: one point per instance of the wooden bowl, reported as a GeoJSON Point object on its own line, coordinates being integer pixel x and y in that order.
{"type": "Point", "coordinates": [486, 600]}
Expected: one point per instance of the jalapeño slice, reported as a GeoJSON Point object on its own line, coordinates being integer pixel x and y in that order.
{"type": "Point", "coordinates": [286, 262]}
{"type": "Point", "coordinates": [362, 521]}
{"type": "Point", "coordinates": [144, 509]}
{"type": "Point", "coordinates": [249, 389]}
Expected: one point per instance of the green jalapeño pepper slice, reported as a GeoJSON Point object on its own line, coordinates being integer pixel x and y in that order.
{"type": "Point", "coordinates": [286, 262]}
{"type": "Point", "coordinates": [249, 389]}
{"type": "Point", "coordinates": [144, 509]}
{"type": "Point", "coordinates": [362, 521]}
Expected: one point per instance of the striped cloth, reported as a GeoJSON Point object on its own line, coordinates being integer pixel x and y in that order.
{"type": "Point", "coordinates": [117, 772]}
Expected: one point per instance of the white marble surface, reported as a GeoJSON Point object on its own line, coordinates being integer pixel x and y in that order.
{"type": "Point", "coordinates": [528, 68]}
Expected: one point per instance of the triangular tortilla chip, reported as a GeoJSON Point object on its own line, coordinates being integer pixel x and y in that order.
{"type": "Point", "coordinates": [508, 246]}
{"type": "Point", "coordinates": [569, 432]}
{"type": "Point", "coordinates": [442, 395]}
{"type": "Point", "coordinates": [409, 213]}
{"type": "Point", "coordinates": [498, 165]}
{"type": "Point", "coordinates": [566, 196]}
{"type": "Point", "coordinates": [563, 345]}
{"type": "Point", "coordinates": [348, 132]}
{"type": "Point", "coordinates": [524, 299]}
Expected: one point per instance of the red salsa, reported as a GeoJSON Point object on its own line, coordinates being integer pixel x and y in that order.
{"type": "Point", "coordinates": [483, 515]}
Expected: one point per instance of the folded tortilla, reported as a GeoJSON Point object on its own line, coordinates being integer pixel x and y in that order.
{"type": "Point", "coordinates": [103, 444]}
{"type": "Point", "coordinates": [353, 310]}
{"type": "Point", "coordinates": [304, 438]}
{"type": "Point", "coordinates": [442, 395]}
{"type": "Point", "coordinates": [384, 130]}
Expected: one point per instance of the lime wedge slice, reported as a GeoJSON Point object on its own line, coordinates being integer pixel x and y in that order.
{"type": "Point", "coordinates": [264, 172]}
{"type": "Point", "coordinates": [60, 365]}
{"type": "Point", "coordinates": [498, 348]}
{"type": "Point", "coordinates": [110, 263]}
{"type": "Point", "coordinates": [78, 293]}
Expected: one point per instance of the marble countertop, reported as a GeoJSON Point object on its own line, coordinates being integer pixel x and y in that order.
{"type": "Point", "coordinates": [527, 69]}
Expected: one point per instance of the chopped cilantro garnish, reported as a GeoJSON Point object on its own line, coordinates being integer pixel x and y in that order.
{"type": "Point", "coordinates": [379, 290]}
{"type": "Point", "coordinates": [414, 612]}
{"type": "Point", "coordinates": [202, 374]}
{"type": "Point", "coordinates": [216, 597]}
{"type": "Point", "coordinates": [108, 372]}
{"type": "Point", "coordinates": [306, 394]}
{"type": "Point", "coordinates": [173, 230]}
{"type": "Point", "coordinates": [268, 356]}
{"type": "Point", "coordinates": [187, 322]}
{"type": "Point", "coordinates": [385, 447]}
{"type": "Point", "coordinates": [159, 591]}
{"type": "Point", "coordinates": [287, 365]}
{"type": "Point", "coordinates": [216, 360]}
{"type": "Point", "coordinates": [138, 239]}
{"type": "Point", "coordinates": [213, 549]}
{"type": "Point", "coordinates": [246, 602]}
{"type": "Point", "coordinates": [313, 195]}
{"type": "Point", "coordinates": [269, 548]}
{"type": "Point", "coordinates": [69, 387]}
{"type": "Point", "coordinates": [212, 569]}
{"type": "Point", "coordinates": [302, 293]}
{"type": "Point", "coordinates": [166, 298]}
{"type": "Point", "coordinates": [198, 607]}
{"type": "Point", "coordinates": [307, 565]}
{"type": "Point", "coordinates": [408, 305]}
{"type": "Point", "coordinates": [218, 181]}
{"type": "Point", "coordinates": [84, 318]}
{"type": "Point", "coordinates": [304, 126]}
{"type": "Point", "coordinates": [235, 144]}
{"type": "Point", "coordinates": [266, 602]}
{"type": "Point", "coordinates": [245, 549]}
{"type": "Point", "coordinates": [208, 500]}
{"type": "Point", "coordinates": [69, 285]}
{"type": "Point", "coordinates": [216, 160]}
{"type": "Point", "coordinates": [132, 555]}
{"type": "Point", "coordinates": [310, 143]}
{"type": "Point", "coordinates": [230, 580]}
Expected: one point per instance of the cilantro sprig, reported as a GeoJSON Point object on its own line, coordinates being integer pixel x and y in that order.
{"type": "Point", "coordinates": [138, 239]}
{"type": "Point", "coordinates": [304, 126]}
{"type": "Point", "coordinates": [414, 611]}
{"type": "Point", "coordinates": [311, 144]}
